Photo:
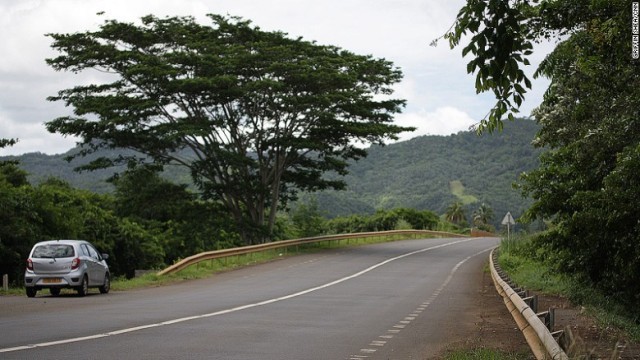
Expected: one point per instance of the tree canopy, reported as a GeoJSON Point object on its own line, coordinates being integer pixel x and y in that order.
{"type": "Point", "coordinates": [254, 115]}
{"type": "Point", "coordinates": [590, 119]}
{"type": "Point", "coordinates": [7, 142]}
{"type": "Point", "coordinates": [502, 39]}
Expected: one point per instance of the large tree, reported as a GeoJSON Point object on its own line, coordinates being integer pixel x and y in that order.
{"type": "Point", "coordinates": [254, 115]}
{"type": "Point", "coordinates": [588, 181]}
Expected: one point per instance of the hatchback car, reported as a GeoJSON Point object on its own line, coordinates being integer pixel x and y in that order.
{"type": "Point", "coordinates": [58, 264]}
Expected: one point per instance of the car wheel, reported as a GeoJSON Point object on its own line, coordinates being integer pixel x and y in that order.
{"type": "Point", "coordinates": [31, 292]}
{"type": "Point", "coordinates": [54, 291]}
{"type": "Point", "coordinates": [83, 289]}
{"type": "Point", "coordinates": [106, 286]}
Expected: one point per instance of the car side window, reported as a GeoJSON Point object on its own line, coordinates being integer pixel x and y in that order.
{"type": "Point", "coordinates": [85, 250]}
{"type": "Point", "coordinates": [93, 252]}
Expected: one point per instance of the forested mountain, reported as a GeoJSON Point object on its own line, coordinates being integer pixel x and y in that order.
{"type": "Point", "coordinates": [432, 172]}
{"type": "Point", "coordinates": [425, 173]}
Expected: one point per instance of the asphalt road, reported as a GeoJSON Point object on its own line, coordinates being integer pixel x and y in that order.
{"type": "Point", "coordinates": [399, 300]}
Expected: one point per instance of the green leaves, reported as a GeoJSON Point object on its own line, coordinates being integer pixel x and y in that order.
{"type": "Point", "coordinates": [260, 115]}
{"type": "Point", "coordinates": [7, 142]}
{"type": "Point", "coordinates": [589, 120]}
{"type": "Point", "coordinates": [588, 180]}
{"type": "Point", "coordinates": [502, 40]}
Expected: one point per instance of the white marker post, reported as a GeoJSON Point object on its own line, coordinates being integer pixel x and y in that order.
{"type": "Point", "coordinates": [508, 220]}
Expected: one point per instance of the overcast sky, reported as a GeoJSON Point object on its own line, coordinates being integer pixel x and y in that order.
{"type": "Point", "coordinates": [440, 95]}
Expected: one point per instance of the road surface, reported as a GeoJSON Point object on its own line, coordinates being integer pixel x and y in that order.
{"type": "Point", "coordinates": [398, 300]}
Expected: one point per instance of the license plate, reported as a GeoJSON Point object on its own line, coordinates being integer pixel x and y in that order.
{"type": "Point", "coordinates": [52, 281]}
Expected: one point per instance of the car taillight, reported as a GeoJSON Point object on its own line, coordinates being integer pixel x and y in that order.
{"type": "Point", "coordinates": [75, 263]}
{"type": "Point", "coordinates": [29, 264]}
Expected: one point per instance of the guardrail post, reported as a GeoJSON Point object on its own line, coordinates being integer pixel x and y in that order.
{"type": "Point", "coordinates": [5, 282]}
{"type": "Point", "coordinates": [541, 341]}
{"type": "Point", "coordinates": [532, 301]}
{"type": "Point", "coordinates": [547, 317]}
{"type": "Point", "coordinates": [566, 339]}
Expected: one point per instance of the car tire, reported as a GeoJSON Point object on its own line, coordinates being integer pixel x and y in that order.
{"type": "Point", "coordinates": [31, 292]}
{"type": "Point", "coordinates": [54, 291]}
{"type": "Point", "coordinates": [83, 289]}
{"type": "Point", "coordinates": [104, 289]}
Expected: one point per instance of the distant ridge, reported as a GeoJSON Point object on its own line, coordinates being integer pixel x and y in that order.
{"type": "Point", "coordinates": [427, 172]}
{"type": "Point", "coordinates": [419, 173]}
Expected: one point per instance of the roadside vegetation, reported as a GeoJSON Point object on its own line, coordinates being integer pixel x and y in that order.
{"type": "Point", "coordinates": [150, 223]}
{"type": "Point", "coordinates": [587, 185]}
{"type": "Point", "coordinates": [484, 354]}
{"type": "Point", "coordinates": [532, 266]}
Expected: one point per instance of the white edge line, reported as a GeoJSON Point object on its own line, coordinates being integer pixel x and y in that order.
{"type": "Point", "coordinates": [244, 307]}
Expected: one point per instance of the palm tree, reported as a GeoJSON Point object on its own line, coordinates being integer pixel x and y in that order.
{"type": "Point", "coordinates": [482, 216]}
{"type": "Point", "coordinates": [455, 213]}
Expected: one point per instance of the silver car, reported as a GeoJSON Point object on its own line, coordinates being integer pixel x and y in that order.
{"type": "Point", "coordinates": [58, 264]}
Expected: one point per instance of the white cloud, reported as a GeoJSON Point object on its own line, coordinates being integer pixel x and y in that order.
{"type": "Point", "coordinates": [443, 121]}
{"type": "Point", "coordinates": [436, 85]}
{"type": "Point", "coordinates": [32, 137]}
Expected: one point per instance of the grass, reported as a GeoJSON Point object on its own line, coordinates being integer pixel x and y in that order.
{"type": "Point", "coordinates": [13, 291]}
{"type": "Point", "coordinates": [516, 260]}
{"type": "Point", "coordinates": [209, 268]}
{"type": "Point", "coordinates": [527, 272]}
{"type": "Point", "coordinates": [457, 189]}
{"type": "Point", "coordinates": [482, 354]}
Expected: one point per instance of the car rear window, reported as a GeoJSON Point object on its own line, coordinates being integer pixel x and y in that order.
{"type": "Point", "coordinates": [51, 251]}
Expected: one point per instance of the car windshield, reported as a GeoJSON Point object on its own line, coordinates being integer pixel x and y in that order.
{"type": "Point", "coordinates": [51, 251]}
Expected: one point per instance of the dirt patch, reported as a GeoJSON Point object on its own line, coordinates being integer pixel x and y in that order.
{"type": "Point", "coordinates": [496, 329]}
{"type": "Point", "coordinates": [589, 339]}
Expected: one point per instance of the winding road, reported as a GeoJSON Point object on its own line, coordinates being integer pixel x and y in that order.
{"type": "Point", "coordinates": [398, 300]}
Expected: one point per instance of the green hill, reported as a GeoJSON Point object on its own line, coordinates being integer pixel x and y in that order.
{"type": "Point", "coordinates": [427, 172]}
{"type": "Point", "coordinates": [432, 172]}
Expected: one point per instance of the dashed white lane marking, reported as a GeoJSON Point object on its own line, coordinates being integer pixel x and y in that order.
{"type": "Point", "coordinates": [232, 310]}
{"type": "Point", "coordinates": [402, 324]}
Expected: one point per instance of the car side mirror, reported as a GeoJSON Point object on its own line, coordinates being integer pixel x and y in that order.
{"type": "Point", "coordinates": [105, 256]}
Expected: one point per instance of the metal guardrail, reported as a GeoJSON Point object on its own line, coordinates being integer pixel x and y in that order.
{"type": "Point", "coordinates": [218, 254]}
{"type": "Point", "coordinates": [538, 336]}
